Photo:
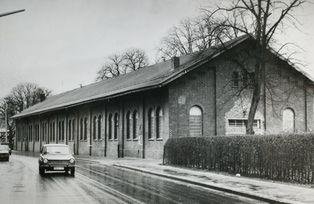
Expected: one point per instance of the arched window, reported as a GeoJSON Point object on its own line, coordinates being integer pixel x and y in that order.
{"type": "Point", "coordinates": [150, 116]}
{"type": "Point", "coordinates": [196, 121]}
{"type": "Point", "coordinates": [134, 125]}
{"type": "Point", "coordinates": [288, 120]}
{"type": "Point", "coordinates": [128, 125]}
{"type": "Point", "coordinates": [81, 129]}
{"type": "Point", "coordinates": [235, 79]}
{"type": "Point", "coordinates": [158, 122]}
{"type": "Point", "coordinates": [116, 126]}
{"type": "Point", "coordinates": [94, 127]}
{"type": "Point", "coordinates": [110, 126]}
{"type": "Point", "coordinates": [99, 127]}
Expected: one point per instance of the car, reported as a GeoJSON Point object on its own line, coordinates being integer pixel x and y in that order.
{"type": "Point", "coordinates": [56, 157]}
{"type": "Point", "coordinates": [6, 143]}
{"type": "Point", "coordinates": [4, 152]}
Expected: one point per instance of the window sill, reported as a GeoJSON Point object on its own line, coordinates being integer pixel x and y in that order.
{"type": "Point", "coordinates": [128, 139]}
{"type": "Point", "coordinates": [135, 139]}
{"type": "Point", "coordinates": [151, 139]}
{"type": "Point", "coordinates": [159, 139]}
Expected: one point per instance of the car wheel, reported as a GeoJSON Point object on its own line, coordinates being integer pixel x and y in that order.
{"type": "Point", "coordinates": [8, 159]}
{"type": "Point", "coordinates": [41, 171]}
{"type": "Point", "coordinates": [73, 171]}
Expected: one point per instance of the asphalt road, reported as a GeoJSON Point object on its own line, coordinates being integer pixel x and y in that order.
{"type": "Point", "coordinates": [95, 183]}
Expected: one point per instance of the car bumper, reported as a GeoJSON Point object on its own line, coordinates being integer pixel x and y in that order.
{"type": "Point", "coordinates": [56, 166]}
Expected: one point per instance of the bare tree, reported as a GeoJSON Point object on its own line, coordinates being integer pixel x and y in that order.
{"type": "Point", "coordinates": [21, 97]}
{"type": "Point", "coordinates": [192, 35]}
{"type": "Point", "coordinates": [118, 64]}
{"type": "Point", "coordinates": [259, 19]}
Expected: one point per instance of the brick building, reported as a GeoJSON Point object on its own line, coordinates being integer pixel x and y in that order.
{"type": "Point", "coordinates": [202, 94]}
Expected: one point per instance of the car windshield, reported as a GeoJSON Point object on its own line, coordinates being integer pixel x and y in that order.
{"type": "Point", "coordinates": [57, 150]}
{"type": "Point", "coordinates": [4, 147]}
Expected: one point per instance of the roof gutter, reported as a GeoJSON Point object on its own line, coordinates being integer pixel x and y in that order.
{"type": "Point", "coordinates": [87, 101]}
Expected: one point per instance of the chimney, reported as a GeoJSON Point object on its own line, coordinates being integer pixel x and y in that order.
{"type": "Point", "coordinates": [175, 62]}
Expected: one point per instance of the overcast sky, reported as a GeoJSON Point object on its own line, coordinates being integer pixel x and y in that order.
{"type": "Point", "coordinates": [60, 44]}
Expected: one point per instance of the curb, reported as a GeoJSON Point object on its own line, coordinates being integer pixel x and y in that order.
{"type": "Point", "coordinates": [247, 195]}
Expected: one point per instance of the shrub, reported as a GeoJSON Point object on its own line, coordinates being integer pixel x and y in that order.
{"type": "Point", "coordinates": [277, 157]}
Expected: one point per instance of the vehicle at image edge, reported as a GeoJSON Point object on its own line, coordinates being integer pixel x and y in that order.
{"type": "Point", "coordinates": [6, 143]}
{"type": "Point", "coordinates": [56, 157]}
{"type": "Point", "coordinates": [5, 152]}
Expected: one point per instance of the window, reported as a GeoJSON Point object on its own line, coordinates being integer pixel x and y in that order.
{"type": "Point", "coordinates": [158, 123]}
{"type": "Point", "coordinates": [30, 133]}
{"type": "Point", "coordinates": [134, 125]}
{"type": "Point", "coordinates": [53, 131]}
{"type": "Point", "coordinates": [243, 122]}
{"type": "Point", "coordinates": [150, 121]}
{"type": "Point", "coordinates": [110, 123]}
{"type": "Point", "coordinates": [116, 126]}
{"type": "Point", "coordinates": [288, 120]}
{"type": "Point", "coordinates": [73, 129]}
{"type": "Point", "coordinates": [196, 121]}
{"type": "Point", "coordinates": [128, 125]}
{"type": "Point", "coordinates": [85, 128]}
{"type": "Point", "coordinates": [235, 79]}
{"type": "Point", "coordinates": [99, 127]}
{"type": "Point", "coordinates": [70, 130]}
{"type": "Point", "coordinates": [37, 132]}
{"type": "Point", "coordinates": [245, 78]}
{"type": "Point", "coordinates": [61, 131]}
{"type": "Point", "coordinates": [46, 132]}
{"type": "Point", "coordinates": [94, 127]}
{"type": "Point", "coordinates": [81, 129]}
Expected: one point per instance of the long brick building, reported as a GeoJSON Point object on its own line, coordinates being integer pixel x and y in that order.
{"type": "Point", "coordinates": [202, 94]}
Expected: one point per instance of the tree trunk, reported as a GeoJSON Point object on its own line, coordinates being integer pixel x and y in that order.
{"type": "Point", "coordinates": [254, 103]}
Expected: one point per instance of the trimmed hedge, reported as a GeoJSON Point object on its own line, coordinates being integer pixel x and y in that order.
{"type": "Point", "coordinates": [277, 157]}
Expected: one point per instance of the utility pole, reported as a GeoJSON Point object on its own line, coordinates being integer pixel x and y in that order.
{"type": "Point", "coordinates": [6, 105]}
{"type": "Point", "coordinates": [11, 12]}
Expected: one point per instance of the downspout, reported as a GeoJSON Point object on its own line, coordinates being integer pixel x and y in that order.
{"type": "Point", "coordinates": [122, 135]}
{"type": "Point", "coordinates": [66, 128]}
{"type": "Point", "coordinates": [215, 100]}
{"type": "Point", "coordinates": [105, 148]}
{"type": "Point", "coordinates": [90, 132]}
{"type": "Point", "coordinates": [143, 154]}
{"type": "Point", "coordinates": [77, 133]}
{"type": "Point", "coordinates": [305, 107]}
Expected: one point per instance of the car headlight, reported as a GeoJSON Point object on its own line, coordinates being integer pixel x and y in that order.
{"type": "Point", "coordinates": [45, 161]}
{"type": "Point", "coordinates": [72, 160]}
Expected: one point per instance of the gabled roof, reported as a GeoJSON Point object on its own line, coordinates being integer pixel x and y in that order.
{"type": "Point", "coordinates": [154, 76]}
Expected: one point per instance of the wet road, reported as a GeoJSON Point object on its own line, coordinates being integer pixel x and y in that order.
{"type": "Point", "coordinates": [96, 183]}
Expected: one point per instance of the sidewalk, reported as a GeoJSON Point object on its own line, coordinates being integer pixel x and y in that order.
{"type": "Point", "coordinates": [263, 190]}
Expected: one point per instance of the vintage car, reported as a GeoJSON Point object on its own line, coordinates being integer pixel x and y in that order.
{"type": "Point", "coordinates": [56, 157]}
{"type": "Point", "coordinates": [5, 152]}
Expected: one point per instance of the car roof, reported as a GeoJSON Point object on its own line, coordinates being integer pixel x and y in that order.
{"type": "Point", "coordinates": [55, 145]}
